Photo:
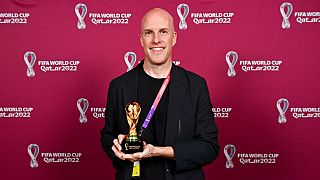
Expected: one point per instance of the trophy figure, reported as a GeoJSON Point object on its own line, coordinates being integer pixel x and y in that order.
{"type": "Point", "coordinates": [132, 143]}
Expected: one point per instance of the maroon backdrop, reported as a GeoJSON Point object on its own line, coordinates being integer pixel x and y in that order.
{"type": "Point", "coordinates": [43, 109]}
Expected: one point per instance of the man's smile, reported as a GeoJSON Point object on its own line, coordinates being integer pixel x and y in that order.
{"type": "Point", "coordinates": [157, 48]}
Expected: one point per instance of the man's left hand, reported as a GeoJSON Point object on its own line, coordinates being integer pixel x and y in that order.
{"type": "Point", "coordinates": [152, 151]}
{"type": "Point", "coordinates": [148, 151]}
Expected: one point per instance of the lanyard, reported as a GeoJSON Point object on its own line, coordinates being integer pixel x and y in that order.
{"type": "Point", "coordinates": [155, 104]}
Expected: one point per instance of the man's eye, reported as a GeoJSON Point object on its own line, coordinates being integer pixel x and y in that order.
{"type": "Point", "coordinates": [147, 33]}
{"type": "Point", "coordinates": [164, 32]}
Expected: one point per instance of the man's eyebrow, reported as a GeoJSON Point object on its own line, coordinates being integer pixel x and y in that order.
{"type": "Point", "coordinates": [147, 30]}
{"type": "Point", "coordinates": [159, 30]}
{"type": "Point", "coordinates": [162, 29]}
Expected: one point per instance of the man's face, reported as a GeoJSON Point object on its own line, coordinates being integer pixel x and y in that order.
{"type": "Point", "coordinates": [157, 38]}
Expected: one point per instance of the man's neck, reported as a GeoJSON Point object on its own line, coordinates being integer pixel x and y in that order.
{"type": "Point", "coordinates": [157, 71]}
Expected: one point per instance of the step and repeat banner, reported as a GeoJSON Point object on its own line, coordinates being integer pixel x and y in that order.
{"type": "Point", "coordinates": [260, 60]}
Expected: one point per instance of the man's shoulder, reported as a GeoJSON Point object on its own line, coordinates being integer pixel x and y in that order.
{"type": "Point", "coordinates": [192, 77]}
{"type": "Point", "coordinates": [124, 78]}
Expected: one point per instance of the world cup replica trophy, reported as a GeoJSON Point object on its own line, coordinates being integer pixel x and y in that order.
{"type": "Point", "coordinates": [132, 142]}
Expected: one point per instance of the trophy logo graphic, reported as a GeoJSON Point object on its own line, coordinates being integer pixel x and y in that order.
{"type": "Point", "coordinates": [231, 64]}
{"type": "Point", "coordinates": [183, 23]}
{"type": "Point", "coordinates": [282, 118]}
{"type": "Point", "coordinates": [32, 55]}
{"type": "Point", "coordinates": [286, 15]}
{"type": "Point", "coordinates": [132, 142]}
{"type": "Point", "coordinates": [83, 7]}
{"type": "Point", "coordinates": [229, 163]}
{"type": "Point", "coordinates": [33, 154]}
{"type": "Point", "coordinates": [83, 117]}
{"type": "Point", "coordinates": [130, 64]}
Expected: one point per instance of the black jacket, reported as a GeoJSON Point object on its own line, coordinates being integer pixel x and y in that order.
{"type": "Point", "coordinates": [190, 128]}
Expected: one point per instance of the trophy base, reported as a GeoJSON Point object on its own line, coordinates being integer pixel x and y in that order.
{"type": "Point", "coordinates": [132, 145]}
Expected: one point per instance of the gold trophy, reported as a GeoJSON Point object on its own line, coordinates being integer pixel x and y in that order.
{"type": "Point", "coordinates": [132, 142]}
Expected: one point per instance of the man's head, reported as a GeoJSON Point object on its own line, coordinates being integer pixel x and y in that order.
{"type": "Point", "coordinates": [157, 36]}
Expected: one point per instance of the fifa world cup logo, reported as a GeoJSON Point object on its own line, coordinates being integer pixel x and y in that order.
{"type": "Point", "coordinates": [30, 64]}
{"type": "Point", "coordinates": [33, 151]}
{"type": "Point", "coordinates": [83, 7]}
{"type": "Point", "coordinates": [229, 163]}
{"type": "Point", "coordinates": [231, 63]}
{"type": "Point", "coordinates": [130, 64]}
{"type": "Point", "coordinates": [183, 23]}
{"type": "Point", "coordinates": [282, 118]}
{"type": "Point", "coordinates": [83, 118]}
{"type": "Point", "coordinates": [286, 15]}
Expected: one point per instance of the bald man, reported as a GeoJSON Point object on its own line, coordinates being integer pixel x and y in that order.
{"type": "Point", "coordinates": [181, 136]}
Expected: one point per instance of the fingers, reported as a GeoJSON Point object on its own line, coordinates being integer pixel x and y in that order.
{"type": "Point", "coordinates": [116, 148]}
{"type": "Point", "coordinates": [117, 144]}
{"type": "Point", "coordinates": [118, 153]}
{"type": "Point", "coordinates": [121, 138]}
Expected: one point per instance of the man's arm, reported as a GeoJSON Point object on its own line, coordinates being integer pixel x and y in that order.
{"type": "Point", "coordinates": [204, 147]}
{"type": "Point", "coordinates": [108, 133]}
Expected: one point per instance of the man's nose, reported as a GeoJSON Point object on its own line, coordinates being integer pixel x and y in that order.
{"type": "Point", "coordinates": [156, 38]}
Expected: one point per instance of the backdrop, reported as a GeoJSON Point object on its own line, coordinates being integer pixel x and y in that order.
{"type": "Point", "coordinates": [260, 60]}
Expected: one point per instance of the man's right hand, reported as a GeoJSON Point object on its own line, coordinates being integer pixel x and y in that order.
{"type": "Point", "coordinates": [116, 148]}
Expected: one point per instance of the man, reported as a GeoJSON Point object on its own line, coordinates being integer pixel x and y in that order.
{"type": "Point", "coordinates": [181, 136]}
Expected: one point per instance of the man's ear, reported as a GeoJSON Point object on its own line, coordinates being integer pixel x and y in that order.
{"type": "Point", "coordinates": [141, 40]}
{"type": "Point", "coordinates": [175, 35]}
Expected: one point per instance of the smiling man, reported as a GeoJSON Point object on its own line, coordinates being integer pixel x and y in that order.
{"type": "Point", "coordinates": [179, 134]}
{"type": "Point", "coordinates": [157, 39]}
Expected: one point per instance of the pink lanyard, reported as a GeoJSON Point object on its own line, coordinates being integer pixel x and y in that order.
{"type": "Point", "coordinates": [155, 104]}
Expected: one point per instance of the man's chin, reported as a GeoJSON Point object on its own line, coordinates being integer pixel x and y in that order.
{"type": "Point", "coordinates": [158, 61]}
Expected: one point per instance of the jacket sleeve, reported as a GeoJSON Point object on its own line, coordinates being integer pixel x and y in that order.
{"type": "Point", "coordinates": [204, 147]}
{"type": "Point", "coordinates": [108, 132]}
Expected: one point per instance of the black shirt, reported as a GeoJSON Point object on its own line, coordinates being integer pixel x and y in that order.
{"type": "Point", "coordinates": [148, 88]}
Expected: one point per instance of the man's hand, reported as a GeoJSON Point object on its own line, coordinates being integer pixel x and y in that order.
{"type": "Point", "coordinates": [116, 148]}
{"type": "Point", "coordinates": [154, 151]}
{"type": "Point", "coordinates": [148, 151]}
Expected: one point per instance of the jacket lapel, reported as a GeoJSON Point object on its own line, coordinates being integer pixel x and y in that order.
{"type": "Point", "coordinates": [177, 89]}
{"type": "Point", "coordinates": [130, 92]}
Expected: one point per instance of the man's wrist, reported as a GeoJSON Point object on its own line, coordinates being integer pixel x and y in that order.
{"type": "Point", "coordinates": [166, 152]}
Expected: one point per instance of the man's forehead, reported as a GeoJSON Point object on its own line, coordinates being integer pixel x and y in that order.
{"type": "Point", "coordinates": [156, 25]}
{"type": "Point", "coordinates": [156, 18]}
{"type": "Point", "coordinates": [157, 12]}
